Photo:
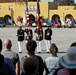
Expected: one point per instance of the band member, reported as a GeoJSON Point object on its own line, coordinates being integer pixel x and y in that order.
{"type": "Point", "coordinates": [20, 34]}
{"type": "Point", "coordinates": [48, 34]}
{"type": "Point", "coordinates": [39, 38]}
{"type": "Point", "coordinates": [29, 34]}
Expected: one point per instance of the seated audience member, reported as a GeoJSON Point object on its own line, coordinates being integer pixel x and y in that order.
{"type": "Point", "coordinates": [73, 44]}
{"type": "Point", "coordinates": [8, 53]}
{"type": "Point", "coordinates": [51, 62]}
{"type": "Point", "coordinates": [5, 67]}
{"type": "Point", "coordinates": [31, 46]}
{"type": "Point", "coordinates": [57, 23]}
{"type": "Point", "coordinates": [2, 61]}
{"type": "Point", "coordinates": [61, 67]}
{"type": "Point", "coordinates": [30, 66]}
{"type": "Point", "coordinates": [68, 62]}
{"type": "Point", "coordinates": [41, 65]}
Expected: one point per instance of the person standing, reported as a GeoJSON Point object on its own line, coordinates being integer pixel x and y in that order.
{"type": "Point", "coordinates": [20, 34]}
{"type": "Point", "coordinates": [48, 34]}
{"type": "Point", "coordinates": [29, 34]}
{"type": "Point", "coordinates": [39, 38]}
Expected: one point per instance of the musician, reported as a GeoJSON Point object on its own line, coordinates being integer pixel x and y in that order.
{"type": "Point", "coordinates": [20, 34]}
{"type": "Point", "coordinates": [48, 34]}
{"type": "Point", "coordinates": [39, 38]}
{"type": "Point", "coordinates": [29, 34]}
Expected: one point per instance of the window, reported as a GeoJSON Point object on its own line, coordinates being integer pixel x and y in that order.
{"type": "Point", "coordinates": [10, 7]}
{"type": "Point", "coordinates": [66, 8]}
{"type": "Point", "coordinates": [30, 7]}
{"type": "Point", "coordinates": [34, 7]}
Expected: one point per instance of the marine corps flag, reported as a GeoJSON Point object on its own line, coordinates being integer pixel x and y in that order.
{"type": "Point", "coordinates": [38, 18]}
{"type": "Point", "coordinates": [27, 15]}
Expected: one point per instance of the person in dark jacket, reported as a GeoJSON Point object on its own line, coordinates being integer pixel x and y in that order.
{"type": "Point", "coordinates": [20, 34]}
{"type": "Point", "coordinates": [39, 38]}
{"type": "Point", "coordinates": [29, 34]}
{"type": "Point", "coordinates": [48, 34]}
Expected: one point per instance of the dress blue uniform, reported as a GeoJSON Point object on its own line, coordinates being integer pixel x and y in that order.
{"type": "Point", "coordinates": [29, 34]}
{"type": "Point", "coordinates": [39, 38]}
{"type": "Point", "coordinates": [20, 34]}
{"type": "Point", "coordinates": [48, 34]}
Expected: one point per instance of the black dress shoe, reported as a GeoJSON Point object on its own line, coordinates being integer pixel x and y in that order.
{"type": "Point", "coordinates": [48, 52]}
{"type": "Point", "coordinates": [20, 52]}
{"type": "Point", "coordinates": [39, 52]}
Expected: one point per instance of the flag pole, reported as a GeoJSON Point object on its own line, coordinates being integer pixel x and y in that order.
{"type": "Point", "coordinates": [27, 14]}
{"type": "Point", "coordinates": [37, 14]}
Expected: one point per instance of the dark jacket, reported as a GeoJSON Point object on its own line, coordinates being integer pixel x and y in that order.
{"type": "Point", "coordinates": [48, 34]}
{"type": "Point", "coordinates": [41, 65]}
{"type": "Point", "coordinates": [29, 34]}
{"type": "Point", "coordinates": [31, 67]}
{"type": "Point", "coordinates": [20, 34]}
{"type": "Point", "coordinates": [39, 36]}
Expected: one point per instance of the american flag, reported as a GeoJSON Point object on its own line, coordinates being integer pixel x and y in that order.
{"type": "Point", "coordinates": [27, 15]}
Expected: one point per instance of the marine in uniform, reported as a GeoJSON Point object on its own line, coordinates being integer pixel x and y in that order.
{"type": "Point", "coordinates": [29, 34]}
{"type": "Point", "coordinates": [39, 38]}
{"type": "Point", "coordinates": [20, 34]}
{"type": "Point", "coordinates": [48, 34]}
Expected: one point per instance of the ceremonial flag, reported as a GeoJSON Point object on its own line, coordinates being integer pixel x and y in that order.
{"type": "Point", "coordinates": [38, 18]}
{"type": "Point", "coordinates": [38, 8]}
{"type": "Point", "coordinates": [27, 15]}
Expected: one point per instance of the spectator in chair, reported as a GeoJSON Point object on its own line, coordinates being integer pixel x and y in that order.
{"type": "Point", "coordinates": [31, 46]}
{"type": "Point", "coordinates": [8, 53]}
{"type": "Point", "coordinates": [51, 63]}
{"type": "Point", "coordinates": [6, 65]}
{"type": "Point", "coordinates": [68, 62]}
{"type": "Point", "coordinates": [73, 44]}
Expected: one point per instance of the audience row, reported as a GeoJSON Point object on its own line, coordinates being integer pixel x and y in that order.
{"type": "Point", "coordinates": [32, 64]}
